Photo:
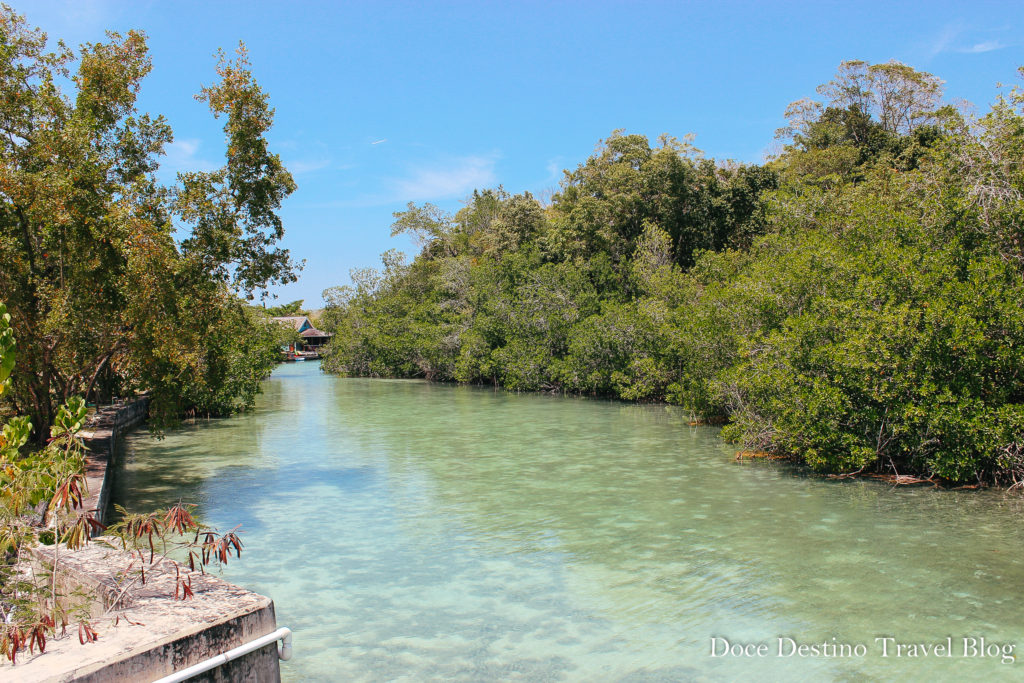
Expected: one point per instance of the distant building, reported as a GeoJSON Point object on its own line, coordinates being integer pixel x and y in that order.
{"type": "Point", "coordinates": [312, 338]}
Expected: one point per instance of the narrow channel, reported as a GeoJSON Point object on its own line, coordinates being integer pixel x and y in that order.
{"type": "Point", "coordinates": [442, 532]}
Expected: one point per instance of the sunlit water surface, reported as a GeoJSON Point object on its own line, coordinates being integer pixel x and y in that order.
{"type": "Point", "coordinates": [416, 531]}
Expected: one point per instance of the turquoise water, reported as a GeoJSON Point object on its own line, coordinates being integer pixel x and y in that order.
{"type": "Point", "coordinates": [414, 531]}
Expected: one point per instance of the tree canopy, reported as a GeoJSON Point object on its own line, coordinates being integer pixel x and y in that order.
{"type": "Point", "coordinates": [113, 279]}
{"type": "Point", "coordinates": [853, 303]}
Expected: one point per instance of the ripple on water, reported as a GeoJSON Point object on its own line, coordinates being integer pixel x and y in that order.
{"type": "Point", "coordinates": [419, 531]}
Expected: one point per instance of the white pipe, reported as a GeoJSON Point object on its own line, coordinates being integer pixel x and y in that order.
{"type": "Point", "coordinates": [284, 652]}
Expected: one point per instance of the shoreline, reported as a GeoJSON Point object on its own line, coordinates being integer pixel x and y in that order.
{"type": "Point", "coordinates": [100, 437]}
{"type": "Point", "coordinates": [893, 479]}
{"type": "Point", "coordinates": [176, 634]}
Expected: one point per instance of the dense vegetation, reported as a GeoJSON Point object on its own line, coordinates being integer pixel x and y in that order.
{"type": "Point", "coordinates": [115, 282]}
{"type": "Point", "coordinates": [853, 303]}
{"type": "Point", "coordinates": [42, 499]}
{"type": "Point", "coordinates": [112, 283]}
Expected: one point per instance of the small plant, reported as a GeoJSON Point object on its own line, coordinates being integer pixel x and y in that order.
{"type": "Point", "coordinates": [177, 533]}
{"type": "Point", "coordinates": [42, 497]}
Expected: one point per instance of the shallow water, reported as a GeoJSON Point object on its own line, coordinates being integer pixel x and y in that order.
{"type": "Point", "coordinates": [415, 531]}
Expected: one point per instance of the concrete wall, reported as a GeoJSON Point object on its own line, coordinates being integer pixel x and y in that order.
{"type": "Point", "coordinates": [145, 632]}
{"type": "Point", "coordinates": [100, 436]}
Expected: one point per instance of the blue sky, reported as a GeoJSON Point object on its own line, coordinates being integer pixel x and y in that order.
{"type": "Point", "coordinates": [380, 103]}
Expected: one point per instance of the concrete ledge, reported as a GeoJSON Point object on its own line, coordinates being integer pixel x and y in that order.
{"type": "Point", "coordinates": [171, 634]}
{"type": "Point", "coordinates": [144, 632]}
{"type": "Point", "coordinates": [100, 437]}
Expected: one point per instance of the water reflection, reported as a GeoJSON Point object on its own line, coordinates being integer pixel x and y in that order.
{"type": "Point", "coordinates": [409, 529]}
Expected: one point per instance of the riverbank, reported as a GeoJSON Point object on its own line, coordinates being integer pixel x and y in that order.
{"type": "Point", "coordinates": [144, 630]}
{"type": "Point", "coordinates": [461, 533]}
{"type": "Point", "coordinates": [857, 316]}
{"type": "Point", "coordinates": [100, 436]}
{"type": "Point", "coordinates": [1009, 480]}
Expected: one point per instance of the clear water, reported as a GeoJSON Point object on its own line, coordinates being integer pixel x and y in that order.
{"type": "Point", "coordinates": [412, 531]}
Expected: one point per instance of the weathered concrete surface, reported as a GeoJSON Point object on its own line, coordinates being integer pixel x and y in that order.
{"type": "Point", "coordinates": [171, 634]}
{"type": "Point", "coordinates": [145, 633]}
{"type": "Point", "coordinates": [100, 437]}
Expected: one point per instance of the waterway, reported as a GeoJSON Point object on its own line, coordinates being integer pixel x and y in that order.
{"type": "Point", "coordinates": [417, 531]}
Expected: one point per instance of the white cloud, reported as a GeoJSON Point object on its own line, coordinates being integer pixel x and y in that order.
{"type": "Point", "coordinates": [944, 40]}
{"type": "Point", "coordinates": [182, 155]}
{"type": "Point", "coordinates": [987, 46]}
{"type": "Point", "coordinates": [452, 179]}
{"type": "Point", "coordinates": [307, 165]}
{"type": "Point", "coordinates": [554, 169]}
{"type": "Point", "coordinates": [952, 38]}
{"type": "Point", "coordinates": [459, 177]}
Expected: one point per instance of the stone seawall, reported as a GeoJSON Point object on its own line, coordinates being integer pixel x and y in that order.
{"type": "Point", "coordinates": [100, 436]}
{"type": "Point", "coordinates": [145, 631]}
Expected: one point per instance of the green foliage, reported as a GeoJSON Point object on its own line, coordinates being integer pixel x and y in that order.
{"type": "Point", "coordinates": [606, 202]}
{"type": "Point", "coordinates": [501, 291]}
{"type": "Point", "coordinates": [899, 356]}
{"type": "Point", "coordinates": [284, 334]}
{"type": "Point", "coordinates": [875, 116]}
{"type": "Point", "coordinates": [42, 493]}
{"type": "Point", "coordinates": [240, 350]}
{"type": "Point", "coordinates": [233, 209]}
{"type": "Point", "coordinates": [89, 268]}
{"type": "Point", "coordinates": [44, 488]}
{"type": "Point", "coordinates": [6, 348]}
{"type": "Point", "coordinates": [284, 310]}
{"type": "Point", "coordinates": [70, 417]}
{"type": "Point", "coordinates": [619, 352]}
{"type": "Point", "coordinates": [854, 304]}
